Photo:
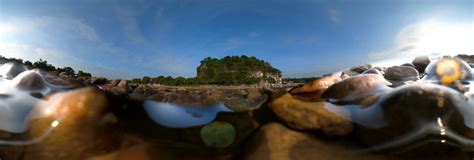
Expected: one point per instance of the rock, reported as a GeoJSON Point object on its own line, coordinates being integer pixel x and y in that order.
{"type": "Point", "coordinates": [136, 97]}
{"type": "Point", "coordinates": [157, 97]}
{"type": "Point", "coordinates": [355, 88]}
{"type": "Point", "coordinates": [11, 69]}
{"type": "Point", "coordinates": [421, 63]}
{"type": "Point", "coordinates": [409, 108]}
{"type": "Point", "coordinates": [398, 75]}
{"type": "Point", "coordinates": [29, 80]}
{"type": "Point", "coordinates": [98, 80]}
{"type": "Point", "coordinates": [275, 141]}
{"type": "Point", "coordinates": [408, 65]}
{"type": "Point", "coordinates": [79, 105]}
{"type": "Point", "coordinates": [373, 71]}
{"type": "Point", "coordinates": [312, 91]}
{"type": "Point", "coordinates": [120, 91]}
{"type": "Point", "coordinates": [63, 74]}
{"type": "Point", "coordinates": [311, 116]}
{"type": "Point", "coordinates": [254, 93]}
{"type": "Point", "coordinates": [115, 82]}
{"type": "Point", "coordinates": [362, 68]}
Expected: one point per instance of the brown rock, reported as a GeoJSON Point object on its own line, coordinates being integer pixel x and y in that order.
{"type": "Point", "coordinates": [401, 73]}
{"type": "Point", "coordinates": [312, 91]}
{"type": "Point", "coordinates": [276, 142]}
{"type": "Point", "coordinates": [355, 88]}
{"type": "Point", "coordinates": [311, 116]}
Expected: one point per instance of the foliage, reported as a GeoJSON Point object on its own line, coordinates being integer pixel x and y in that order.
{"type": "Point", "coordinates": [44, 65]}
{"type": "Point", "coordinates": [83, 74]}
{"type": "Point", "coordinates": [232, 70]}
{"type": "Point", "coordinates": [68, 70]}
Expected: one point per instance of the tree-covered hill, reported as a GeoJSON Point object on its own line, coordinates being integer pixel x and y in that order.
{"type": "Point", "coordinates": [237, 70]}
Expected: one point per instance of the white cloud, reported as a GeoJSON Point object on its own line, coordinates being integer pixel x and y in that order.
{"type": "Point", "coordinates": [334, 15]}
{"type": "Point", "coordinates": [429, 37]}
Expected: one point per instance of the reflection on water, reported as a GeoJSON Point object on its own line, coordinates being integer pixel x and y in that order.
{"type": "Point", "coordinates": [185, 116]}
{"type": "Point", "coordinates": [436, 109]}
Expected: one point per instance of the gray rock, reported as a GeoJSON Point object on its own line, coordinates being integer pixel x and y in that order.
{"type": "Point", "coordinates": [29, 80]}
{"type": "Point", "coordinates": [11, 69]}
{"type": "Point", "coordinates": [373, 71]}
{"type": "Point", "coordinates": [355, 88]}
{"type": "Point", "coordinates": [400, 74]}
{"type": "Point", "coordinates": [421, 63]}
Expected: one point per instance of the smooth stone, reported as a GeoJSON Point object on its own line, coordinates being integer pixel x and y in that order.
{"type": "Point", "coordinates": [218, 134]}
{"type": "Point", "coordinates": [275, 141]}
{"type": "Point", "coordinates": [373, 71]}
{"type": "Point", "coordinates": [408, 108]}
{"type": "Point", "coordinates": [11, 69]}
{"type": "Point", "coordinates": [30, 80]}
{"type": "Point", "coordinates": [355, 88]}
{"type": "Point", "coordinates": [398, 75]}
{"type": "Point", "coordinates": [312, 91]}
{"type": "Point", "coordinates": [421, 63]}
{"type": "Point", "coordinates": [361, 68]}
{"type": "Point", "coordinates": [312, 116]}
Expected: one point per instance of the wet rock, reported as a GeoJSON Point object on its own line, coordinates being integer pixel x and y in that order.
{"type": "Point", "coordinates": [362, 68]}
{"type": "Point", "coordinates": [79, 105]}
{"type": "Point", "coordinates": [170, 151]}
{"type": "Point", "coordinates": [421, 63]}
{"type": "Point", "coordinates": [312, 91]}
{"type": "Point", "coordinates": [11, 69]}
{"type": "Point", "coordinates": [354, 89]}
{"type": "Point", "coordinates": [254, 93]}
{"type": "Point", "coordinates": [373, 71]}
{"type": "Point", "coordinates": [29, 80]}
{"type": "Point", "coordinates": [311, 116]}
{"type": "Point", "coordinates": [275, 141]}
{"type": "Point", "coordinates": [410, 108]}
{"type": "Point", "coordinates": [398, 75]}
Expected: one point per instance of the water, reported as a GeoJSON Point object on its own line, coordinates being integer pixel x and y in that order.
{"type": "Point", "coordinates": [436, 109]}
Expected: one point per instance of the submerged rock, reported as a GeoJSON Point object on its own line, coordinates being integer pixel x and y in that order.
{"type": "Point", "coordinates": [275, 141]}
{"type": "Point", "coordinates": [312, 116]}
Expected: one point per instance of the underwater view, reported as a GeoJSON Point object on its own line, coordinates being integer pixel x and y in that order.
{"type": "Point", "coordinates": [225, 80]}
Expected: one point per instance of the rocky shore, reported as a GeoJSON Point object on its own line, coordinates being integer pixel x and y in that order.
{"type": "Point", "coordinates": [365, 112]}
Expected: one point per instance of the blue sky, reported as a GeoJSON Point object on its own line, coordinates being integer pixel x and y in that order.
{"type": "Point", "coordinates": [124, 39]}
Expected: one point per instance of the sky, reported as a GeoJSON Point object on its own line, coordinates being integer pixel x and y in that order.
{"type": "Point", "coordinates": [129, 39]}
